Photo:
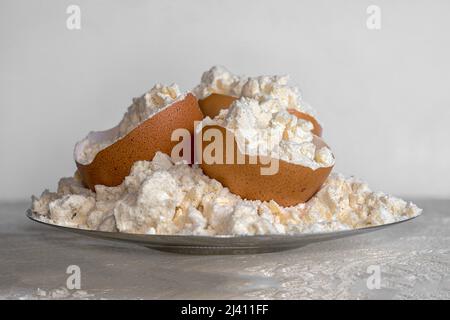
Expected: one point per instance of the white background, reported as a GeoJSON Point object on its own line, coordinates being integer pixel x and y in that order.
{"type": "Point", "coordinates": [383, 96]}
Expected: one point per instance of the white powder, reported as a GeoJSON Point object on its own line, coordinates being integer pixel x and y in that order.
{"type": "Point", "coordinates": [260, 120]}
{"type": "Point", "coordinates": [143, 108]}
{"type": "Point", "coordinates": [159, 197]}
{"type": "Point", "coordinates": [266, 128]}
{"type": "Point", "coordinates": [219, 80]}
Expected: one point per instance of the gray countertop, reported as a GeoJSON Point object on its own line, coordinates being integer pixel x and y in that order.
{"type": "Point", "coordinates": [410, 260]}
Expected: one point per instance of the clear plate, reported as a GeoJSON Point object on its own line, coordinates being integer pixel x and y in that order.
{"type": "Point", "coordinates": [219, 244]}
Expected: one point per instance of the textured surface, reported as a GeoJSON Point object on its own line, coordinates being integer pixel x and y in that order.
{"type": "Point", "coordinates": [414, 260]}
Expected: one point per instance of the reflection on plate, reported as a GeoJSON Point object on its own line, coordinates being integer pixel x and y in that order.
{"type": "Point", "coordinates": [188, 244]}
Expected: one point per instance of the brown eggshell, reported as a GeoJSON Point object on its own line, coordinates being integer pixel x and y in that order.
{"type": "Point", "coordinates": [112, 164]}
{"type": "Point", "coordinates": [291, 185]}
{"type": "Point", "coordinates": [215, 102]}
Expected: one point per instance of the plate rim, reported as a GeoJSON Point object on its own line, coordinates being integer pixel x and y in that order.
{"type": "Point", "coordinates": [110, 234]}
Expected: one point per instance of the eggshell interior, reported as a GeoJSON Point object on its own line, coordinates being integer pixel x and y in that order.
{"type": "Point", "coordinates": [317, 130]}
{"type": "Point", "coordinates": [112, 164]}
{"type": "Point", "coordinates": [215, 102]}
{"type": "Point", "coordinates": [292, 184]}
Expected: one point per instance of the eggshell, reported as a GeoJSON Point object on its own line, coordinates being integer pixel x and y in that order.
{"type": "Point", "coordinates": [112, 164]}
{"type": "Point", "coordinates": [292, 184]}
{"type": "Point", "coordinates": [212, 104]}
{"type": "Point", "coordinates": [317, 130]}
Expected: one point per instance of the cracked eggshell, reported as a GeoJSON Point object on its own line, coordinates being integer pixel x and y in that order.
{"type": "Point", "coordinates": [291, 185]}
{"type": "Point", "coordinates": [212, 104]}
{"type": "Point", "coordinates": [112, 164]}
